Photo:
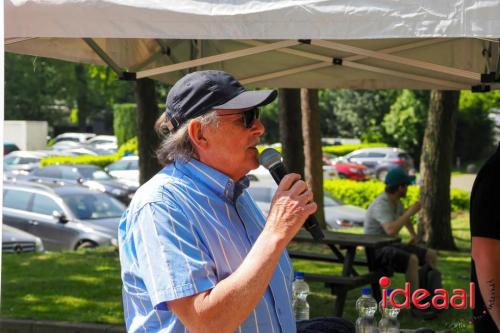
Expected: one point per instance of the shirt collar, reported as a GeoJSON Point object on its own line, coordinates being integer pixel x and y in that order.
{"type": "Point", "coordinates": [215, 180]}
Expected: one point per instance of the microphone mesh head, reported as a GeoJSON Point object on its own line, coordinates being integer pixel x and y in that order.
{"type": "Point", "coordinates": [269, 158]}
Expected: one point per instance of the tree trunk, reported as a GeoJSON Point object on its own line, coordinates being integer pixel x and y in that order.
{"type": "Point", "coordinates": [435, 169]}
{"type": "Point", "coordinates": [290, 125]}
{"type": "Point", "coordinates": [82, 100]}
{"type": "Point", "coordinates": [147, 140]}
{"type": "Point", "coordinates": [311, 131]}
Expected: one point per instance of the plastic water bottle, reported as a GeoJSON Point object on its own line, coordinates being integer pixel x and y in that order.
{"type": "Point", "coordinates": [366, 306]}
{"type": "Point", "coordinates": [389, 322]}
{"type": "Point", "coordinates": [300, 291]}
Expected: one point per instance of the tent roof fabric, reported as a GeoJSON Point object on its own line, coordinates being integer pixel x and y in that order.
{"type": "Point", "coordinates": [368, 44]}
{"type": "Point", "coordinates": [244, 19]}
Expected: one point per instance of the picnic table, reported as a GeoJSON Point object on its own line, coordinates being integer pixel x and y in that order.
{"type": "Point", "coordinates": [343, 247]}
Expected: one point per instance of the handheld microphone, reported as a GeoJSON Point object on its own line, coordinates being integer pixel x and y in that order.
{"type": "Point", "coordinates": [271, 160]}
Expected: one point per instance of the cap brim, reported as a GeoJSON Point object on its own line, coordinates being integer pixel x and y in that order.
{"type": "Point", "coordinates": [248, 100]}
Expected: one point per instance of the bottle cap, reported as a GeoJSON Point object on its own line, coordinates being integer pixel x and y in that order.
{"type": "Point", "coordinates": [366, 291]}
{"type": "Point", "coordinates": [299, 275]}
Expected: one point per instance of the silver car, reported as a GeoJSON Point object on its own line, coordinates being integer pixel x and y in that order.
{"type": "Point", "coordinates": [18, 241]}
{"type": "Point", "coordinates": [380, 160]}
{"type": "Point", "coordinates": [337, 214]}
{"type": "Point", "coordinates": [64, 217]}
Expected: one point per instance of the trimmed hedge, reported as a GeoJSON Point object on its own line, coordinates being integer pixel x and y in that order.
{"type": "Point", "coordinates": [339, 150]}
{"type": "Point", "coordinates": [342, 150]}
{"type": "Point", "coordinates": [101, 161]}
{"type": "Point", "coordinates": [363, 193]}
{"type": "Point", "coordinates": [124, 122]}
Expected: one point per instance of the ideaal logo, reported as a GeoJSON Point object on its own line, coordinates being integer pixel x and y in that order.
{"type": "Point", "coordinates": [420, 297]}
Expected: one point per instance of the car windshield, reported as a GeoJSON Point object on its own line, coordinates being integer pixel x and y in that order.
{"type": "Point", "coordinates": [91, 206]}
{"type": "Point", "coordinates": [94, 174]}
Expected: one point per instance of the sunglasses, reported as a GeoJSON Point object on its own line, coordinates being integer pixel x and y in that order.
{"type": "Point", "coordinates": [248, 116]}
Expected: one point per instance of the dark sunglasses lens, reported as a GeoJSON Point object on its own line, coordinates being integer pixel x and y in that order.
{"type": "Point", "coordinates": [250, 116]}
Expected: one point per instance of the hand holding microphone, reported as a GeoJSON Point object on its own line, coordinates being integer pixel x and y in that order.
{"type": "Point", "coordinates": [292, 203]}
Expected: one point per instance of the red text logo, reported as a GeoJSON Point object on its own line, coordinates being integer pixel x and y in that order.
{"type": "Point", "coordinates": [420, 298]}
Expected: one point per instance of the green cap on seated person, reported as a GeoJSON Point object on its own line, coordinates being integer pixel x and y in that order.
{"type": "Point", "coordinates": [398, 176]}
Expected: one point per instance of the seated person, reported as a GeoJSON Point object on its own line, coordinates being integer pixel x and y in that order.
{"type": "Point", "coordinates": [386, 216]}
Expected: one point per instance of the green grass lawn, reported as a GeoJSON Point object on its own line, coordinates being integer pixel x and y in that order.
{"type": "Point", "coordinates": [85, 286]}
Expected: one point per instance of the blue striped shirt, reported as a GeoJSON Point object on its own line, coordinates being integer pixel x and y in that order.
{"type": "Point", "coordinates": [185, 230]}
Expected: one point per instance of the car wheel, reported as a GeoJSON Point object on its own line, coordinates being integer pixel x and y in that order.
{"type": "Point", "coordinates": [85, 245]}
{"type": "Point", "coordinates": [342, 176]}
{"type": "Point", "coordinates": [381, 175]}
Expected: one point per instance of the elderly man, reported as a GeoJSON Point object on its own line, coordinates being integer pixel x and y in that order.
{"type": "Point", "coordinates": [386, 216]}
{"type": "Point", "coordinates": [196, 252]}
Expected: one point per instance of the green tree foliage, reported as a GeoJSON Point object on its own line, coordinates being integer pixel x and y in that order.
{"type": "Point", "coordinates": [46, 89]}
{"type": "Point", "coordinates": [124, 122]}
{"type": "Point", "coordinates": [36, 88]}
{"type": "Point", "coordinates": [404, 124]}
{"type": "Point", "coordinates": [355, 113]}
{"type": "Point", "coordinates": [474, 136]}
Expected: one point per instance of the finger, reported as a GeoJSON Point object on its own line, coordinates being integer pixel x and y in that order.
{"type": "Point", "coordinates": [287, 181]}
{"type": "Point", "coordinates": [306, 197]}
{"type": "Point", "coordinates": [298, 187]}
{"type": "Point", "coordinates": [311, 208]}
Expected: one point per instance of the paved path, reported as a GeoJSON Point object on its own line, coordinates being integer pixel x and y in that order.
{"type": "Point", "coordinates": [463, 182]}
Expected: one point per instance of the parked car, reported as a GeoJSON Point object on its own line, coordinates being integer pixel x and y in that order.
{"type": "Point", "coordinates": [380, 160]}
{"type": "Point", "coordinates": [107, 142]}
{"type": "Point", "coordinates": [18, 241]}
{"type": "Point", "coordinates": [344, 168]}
{"type": "Point", "coordinates": [261, 173]}
{"type": "Point", "coordinates": [75, 137]}
{"type": "Point", "coordinates": [64, 217]}
{"type": "Point", "coordinates": [89, 176]}
{"type": "Point", "coordinates": [23, 161]}
{"type": "Point", "coordinates": [126, 169]}
{"type": "Point", "coordinates": [337, 214]}
{"type": "Point", "coordinates": [9, 147]}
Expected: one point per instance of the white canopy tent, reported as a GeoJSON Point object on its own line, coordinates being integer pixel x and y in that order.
{"type": "Point", "coordinates": [305, 43]}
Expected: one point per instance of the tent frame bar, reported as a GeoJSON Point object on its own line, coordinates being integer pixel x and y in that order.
{"type": "Point", "coordinates": [216, 58]}
{"type": "Point", "coordinates": [397, 59]}
{"type": "Point", "coordinates": [350, 62]}
{"type": "Point", "coordinates": [122, 75]}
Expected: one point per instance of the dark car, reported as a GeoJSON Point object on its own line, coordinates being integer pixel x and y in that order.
{"type": "Point", "coordinates": [18, 241]}
{"type": "Point", "coordinates": [9, 147]}
{"type": "Point", "coordinates": [89, 176]}
{"type": "Point", "coordinates": [64, 217]}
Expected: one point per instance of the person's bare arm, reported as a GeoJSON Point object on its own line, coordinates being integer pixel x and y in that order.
{"type": "Point", "coordinates": [228, 304]}
{"type": "Point", "coordinates": [392, 228]}
{"type": "Point", "coordinates": [486, 255]}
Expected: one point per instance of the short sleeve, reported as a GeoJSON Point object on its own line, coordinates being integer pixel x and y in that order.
{"type": "Point", "coordinates": [172, 259]}
{"type": "Point", "coordinates": [484, 214]}
{"type": "Point", "coordinates": [383, 212]}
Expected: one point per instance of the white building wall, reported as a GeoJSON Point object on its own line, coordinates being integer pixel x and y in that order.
{"type": "Point", "coordinates": [27, 135]}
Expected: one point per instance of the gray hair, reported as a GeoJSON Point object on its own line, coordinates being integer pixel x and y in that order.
{"type": "Point", "coordinates": [177, 145]}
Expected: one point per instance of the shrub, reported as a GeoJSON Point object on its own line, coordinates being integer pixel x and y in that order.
{"type": "Point", "coordinates": [101, 161]}
{"type": "Point", "coordinates": [363, 193]}
{"type": "Point", "coordinates": [339, 150]}
{"type": "Point", "coordinates": [342, 150]}
{"type": "Point", "coordinates": [124, 122]}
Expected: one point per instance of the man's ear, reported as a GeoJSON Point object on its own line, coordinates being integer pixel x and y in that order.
{"type": "Point", "coordinates": [195, 132]}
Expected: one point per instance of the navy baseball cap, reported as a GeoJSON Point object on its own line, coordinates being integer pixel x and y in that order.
{"type": "Point", "coordinates": [199, 92]}
{"type": "Point", "coordinates": [398, 176]}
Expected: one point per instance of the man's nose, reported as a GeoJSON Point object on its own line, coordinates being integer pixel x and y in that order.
{"type": "Point", "coordinates": [257, 128]}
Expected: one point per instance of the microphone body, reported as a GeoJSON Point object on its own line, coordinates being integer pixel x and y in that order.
{"type": "Point", "coordinates": [278, 171]}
